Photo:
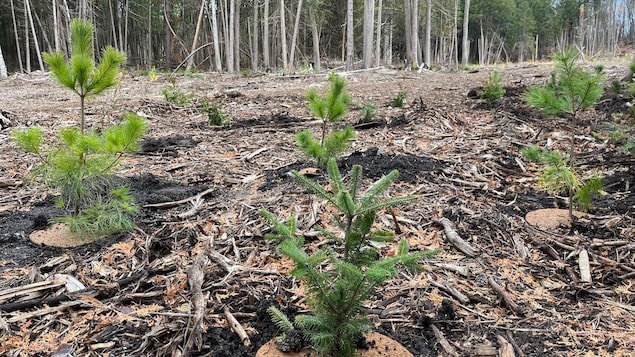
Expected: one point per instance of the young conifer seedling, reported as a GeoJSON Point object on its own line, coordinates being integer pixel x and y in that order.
{"type": "Point", "coordinates": [330, 109]}
{"type": "Point", "coordinates": [80, 73]}
{"type": "Point", "coordinates": [79, 166]}
{"type": "Point", "coordinates": [570, 91]}
{"type": "Point", "coordinates": [341, 276]}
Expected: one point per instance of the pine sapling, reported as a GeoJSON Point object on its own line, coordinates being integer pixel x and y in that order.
{"type": "Point", "coordinates": [80, 73]}
{"type": "Point", "coordinates": [344, 274]}
{"type": "Point", "coordinates": [79, 169]}
{"type": "Point", "coordinates": [330, 109]}
{"type": "Point", "coordinates": [570, 91]}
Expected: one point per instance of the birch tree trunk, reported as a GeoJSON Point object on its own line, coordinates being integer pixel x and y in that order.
{"type": "Point", "coordinates": [350, 47]}
{"type": "Point", "coordinates": [199, 21]}
{"type": "Point", "coordinates": [367, 39]}
{"type": "Point", "coordinates": [466, 21]}
{"type": "Point", "coordinates": [35, 41]}
{"type": "Point", "coordinates": [378, 34]}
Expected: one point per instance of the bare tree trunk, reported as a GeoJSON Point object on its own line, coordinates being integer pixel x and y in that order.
{"type": "Point", "coordinates": [265, 36]}
{"type": "Point", "coordinates": [149, 38]}
{"type": "Point", "coordinates": [17, 37]}
{"type": "Point", "coordinates": [3, 66]}
{"type": "Point", "coordinates": [316, 41]}
{"type": "Point", "coordinates": [35, 41]}
{"type": "Point", "coordinates": [296, 30]}
{"type": "Point", "coordinates": [254, 44]}
{"type": "Point", "coordinates": [169, 48]}
{"type": "Point", "coordinates": [125, 29]}
{"type": "Point", "coordinates": [217, 60]}
{"type": "Point", "coordinates": [283, 36]}
{"type": "Point", "coordinates": [27, 43]}
{"type": "Point", "coordinates": [229, 38]}
{"type": "Point", "coordinates": [466, 21]}
{"type": "Point", "coordinates": [455, 34]}
{"type": "Point", "coordinates": [378, 34]}
{"type": "Point", "coordinates": [56, 29]}
{"type": "Point", "coordinates": [415, 32]}
{"type": "Point", "coordinates": [367, 39]}
{"type": "Point", "coordinates": [237, 36]}
{"type": "Point", "coordinates": [350, 46]}
{"type": "Point", "coordinates": [428, 54]}
{"type": "Point", "coordinates": [199, 21]}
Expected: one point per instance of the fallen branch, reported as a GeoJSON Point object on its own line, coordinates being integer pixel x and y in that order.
{"type": "Point", "coordinates": [179, 202]}
{"type": "Point", "coordinates": [448, 288]}
{"type": "Point", "coordinates": [195, 278]}
{"type": "Point", "coordinates": [509, 302]}
{"type": "Point", "coordinates": [447, 347]}
{"type": "Point", "coordinates": [455, 239]}
{"type": "Point", "coordinates": [237, 327]}
{"type": "Point", "coordinates": [505, 349]}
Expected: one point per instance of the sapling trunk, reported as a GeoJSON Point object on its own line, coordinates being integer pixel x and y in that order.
{"type": "Point", "coordinates": [82, 110]}
{"type": "Point", "coordinates": [572, 164]}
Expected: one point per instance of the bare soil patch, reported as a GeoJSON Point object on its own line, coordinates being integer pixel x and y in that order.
{"type": "Point", "coordinates": [199, 189]}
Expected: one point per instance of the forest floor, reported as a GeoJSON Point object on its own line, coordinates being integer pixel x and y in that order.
{"type": "Point", "coordinates": [459, 155]}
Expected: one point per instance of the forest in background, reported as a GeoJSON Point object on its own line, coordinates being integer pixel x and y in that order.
{"type": "Point", "coordinates": [297, 35]}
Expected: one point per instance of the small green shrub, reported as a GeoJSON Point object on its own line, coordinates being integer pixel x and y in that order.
{"type": "Point", "coordinates": [214, 112]}
{"type": "Point", "coordinates": [341, 276]}
{"type": "Point", "coordinates": [493, 89]}
{"type": "Point", "coordinates": [399, 100]}
{"type": "Point", "coordinates": [79, 168]}
{"type": "Point", "coordinates": [617, 87]}
{"type": "Point", "coordinates": [176, 96]}
{"type": "Point", "coordinates": [330, 108]}
{"type": "Point", "coordinates": [192, 74]}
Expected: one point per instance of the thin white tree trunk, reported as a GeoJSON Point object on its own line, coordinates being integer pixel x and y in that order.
{"type": "Point", "coordinates": [56, 29]}
{"type": "Point", "coordinates": [217, 60]}
{"type": "Point", "coordinates": [199, 21]}
{"type": "Point", "coordinates": [296, 30]}
{"type": "Point", "coordinates": [229, 47]}
{"type": "Point", "coordinates": [428, 50]}
{"type": "Point", "coordinates": [254, 44]}
{"type": "Point", "coordinates": [3, 67]}
{"type": "Point", "coordinates": [35, 41]}
{"type": "Point", "coordinates": [237, 36]}
{"type": "Point", "coordinates": [17, 37]}
{"type": "Point", "coordinates": [466, 21]}
{"type": "Point", "coordinates": [367, 39]}
{"type": "Point", "coordinates": [350, 46]}
{"type": "Point", "coordinates": [27, 43]}
{"type": "Point", "coordinates": [265, 36]}
{"type": "Point", "coordinates": [378, 34]}
{"type": "Point", "coordinates": [283, 36]}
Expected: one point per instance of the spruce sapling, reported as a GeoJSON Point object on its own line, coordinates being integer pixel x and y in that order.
{"type": "Point", "coordinates": [570, 92]}
{"type": "Point", "coordinates": [80, 73]}
{"type": "Point", "coordinates": [340, 277]}
{"type": "Point", "coordinates": [330, 109]}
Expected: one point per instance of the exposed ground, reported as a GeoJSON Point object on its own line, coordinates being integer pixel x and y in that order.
{"type": "Point", "coordinates": [459, 155]}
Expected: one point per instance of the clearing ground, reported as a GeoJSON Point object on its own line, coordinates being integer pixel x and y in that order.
{"type": "Point", "coordinates": [458, 154]}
